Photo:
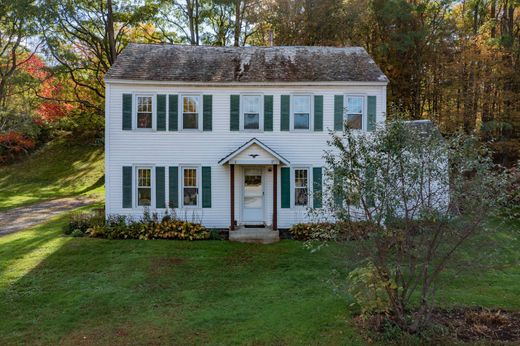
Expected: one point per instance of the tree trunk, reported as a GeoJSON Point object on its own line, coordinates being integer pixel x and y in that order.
{"type": "Point", "coordinates": [112, 52]}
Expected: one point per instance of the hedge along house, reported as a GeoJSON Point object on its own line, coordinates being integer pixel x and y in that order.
{"type": "Point", "coordinates": [231, 136]}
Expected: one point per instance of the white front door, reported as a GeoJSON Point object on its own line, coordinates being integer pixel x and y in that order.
{"type": "Point", "coordinates": [253, 203]}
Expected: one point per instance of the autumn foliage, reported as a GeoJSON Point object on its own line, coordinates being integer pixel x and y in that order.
{"type": "Point", "coordinates": [13, 143]}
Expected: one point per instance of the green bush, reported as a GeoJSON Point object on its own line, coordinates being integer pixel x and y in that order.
{"type": "Point", "coordinates": [77, 233]}
{"type": "Point", "coordinates": [119, 227]}
{"type": "Point", "coordinates": [340, 231]}
{"type": "Point", "coordinates": [83, 221]}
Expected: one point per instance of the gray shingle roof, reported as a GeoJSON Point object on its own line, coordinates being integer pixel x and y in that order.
{"type": "Point", "coordinates": [185, 63]}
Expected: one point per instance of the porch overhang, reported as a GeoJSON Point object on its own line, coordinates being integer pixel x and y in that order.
{"type": "Point", "coordinates": [254, 152]}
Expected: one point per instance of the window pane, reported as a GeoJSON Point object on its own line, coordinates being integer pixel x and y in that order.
{"type": "Point", "coordinates": [144, 196]}
{"type": "Point", "coordinates": [251, 104]}
{"type": "Point", "coordinates": [144, 177]}
{"type": "Point", "coordinates": [190, 177]}
{"type": "Point", "coordinates": [302, 104]}
{"type": "Point", "coordinates": [251, 121]}
{"type": "Point", "coordinates": [190, 196]}
{"type": "Point", "coordinates": [354, 121]}
{"type": "Point", "coordinates": [144, 104]}
{"type": "Point", "coordinates": [190, 104]}
{"type": "Point", "coordinates": [190, 121]}
{"type": "Point", "coordinates": [300, 196]}
{"type": "Point", "coordinates": [144, 120]}
{"type": "Point", "coordinates": [355, 105]}
{"type": "Point", "coordinates": [301, 121]}
{"type": "Point", "coordinates": [300, 178]}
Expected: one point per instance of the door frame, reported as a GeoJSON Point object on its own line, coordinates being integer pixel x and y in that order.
{"type": "Point", "coordinates": [242, 190]}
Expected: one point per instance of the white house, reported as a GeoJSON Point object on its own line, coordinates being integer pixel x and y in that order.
{"type": "Point", "coordinates": [231, 136]}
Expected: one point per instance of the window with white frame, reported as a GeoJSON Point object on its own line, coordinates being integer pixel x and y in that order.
{"type": "Point", "coordinates": [144, 187]}
{"type": "Point", "coordinates": [144, 112]}
{"type": "Point", "coordinates": [301, 112]}
{"type": "Point", "coordinates": [190, 187]}
{"type": "Point", "coordinates": [251, 110]}
{"type": "Point", "coordinates": [190, 112]}
{"type": "Point", "coordinates": [353, 117]}
{"type": "Point", "coordinates": [301, 187]}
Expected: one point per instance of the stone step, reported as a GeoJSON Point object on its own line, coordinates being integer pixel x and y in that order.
{"type": "Point", "coordinates": [254, 235]}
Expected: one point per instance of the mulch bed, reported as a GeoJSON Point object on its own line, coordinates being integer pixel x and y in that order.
{"type": "Point", "coordinates": [480, 324]}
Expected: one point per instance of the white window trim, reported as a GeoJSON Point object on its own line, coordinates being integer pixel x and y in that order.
{"type": "Point", "coordinates": [135, 186]}
{"type": "Point", "coordinates": [261, 118]}
{"type": "Point", "coordinates": [311, 113]}
{"type": "Point", "coordinates": [364, 120]}
{"type": "Point", "coordinates": [134, 111]}
{"type": "Point", "coordinates": [181, 113]}
{"type": "Point", "coordinates": [309, 187]}
{"type": "Point", "coordinates": [199, 186]}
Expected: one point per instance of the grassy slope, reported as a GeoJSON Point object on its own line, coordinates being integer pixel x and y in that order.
{"type": "Point", "coordinates": [78, 290]}
{"type": "Point", "coordinates": [57, 170]}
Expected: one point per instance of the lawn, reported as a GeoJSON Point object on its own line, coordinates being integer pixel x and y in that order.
{"type": "Point", "coordinates": [56, 289]}
{"type": "Point", "coordinates": [59, 169]}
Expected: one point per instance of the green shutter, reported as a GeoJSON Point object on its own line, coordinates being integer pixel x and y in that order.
{"type": "Point", "coordinates": [338, 112]}
{"type": "Point", "coordinates": [160, 194]}
{"type": "Point", "coordinates": [207, 112]}
{"type": "Point", "coordinates": [127, 187]}
{"type": "Point", "coordinates": [161, 112]}
{"type": "Point", "coordinates": [317, 187]}
{"type": "Point", "coordinates": [127, 111]}
{"type": "Point", "coordinates": [371, 113]}
{"type": "Point", "coordinates": [173, 111]}
{"type": "Point", "coordinates": [268, 113]}
{"type": "Point", "coordinates": [318, 113]}
{"type": "Point", "coordinates": [234, 114]}
{"type": "Point", "coordinates": [285, 182]}
{"type": "Point", "coordinates": [284, 112]}
{"type": "Point", "coordinates": [337, 193]}
{"type": "Point", "coordinates": [173, 185]}
{"type": "Point", "coordinates": [206, 187]}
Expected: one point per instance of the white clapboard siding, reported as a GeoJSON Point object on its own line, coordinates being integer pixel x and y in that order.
{"type": "Point", "coordinates": [177, 148]}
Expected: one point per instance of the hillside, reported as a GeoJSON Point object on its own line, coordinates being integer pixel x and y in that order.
{"type": "Point", "coordinates": [59, 169]}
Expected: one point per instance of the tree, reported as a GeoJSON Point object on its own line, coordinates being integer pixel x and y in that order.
{"type": "Point", "coordinates": [85, 37]}
{"type": "Point", "coordinates": [419, 215]}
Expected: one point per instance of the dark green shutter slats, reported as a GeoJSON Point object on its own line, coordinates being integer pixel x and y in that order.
{"type": "Point", "coordinates": [317, 187]}
{"type": "Point", "coordinates": [318, 113]}
{"type": "Point", "coordinates": [206, 187]}
{"type": "Point", "coordinates": [234, 113]}
{"type": "Point", "coordinates": [161, 112]}
{"type": "Point", "coordinates": [338, 112]}
{"type": "Point", "coordinates": [173, 182]}
{"type": "Point", "coordinates": [268, 113]}
{"type": "Point", "coordinates": [160, 193]}
{"type": "Point", "coordinates": [127, 111]}
{"type": "Point", "coordinates": [173, 112]}
{"type": "Point", "coordinates": [207, 112]}
{"type": "Point", "coordinates": [127, 187]}
{"type": "Point", "coordinates": [285, 183]}
{"type": "Point", "coordinates": [285, 106]}
{"type": "Point", "coordinates": [371, 113]}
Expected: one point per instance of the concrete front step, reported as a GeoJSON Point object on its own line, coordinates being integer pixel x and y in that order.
{"type": "Point", "coordinates": [254, 235]}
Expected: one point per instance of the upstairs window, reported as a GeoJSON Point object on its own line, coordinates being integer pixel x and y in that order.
{"type": "Point", "coordinates": [251, 106]}
{"type": "Point", "coordinates": [144, 112]}
{"type": "Point", "coordinates": [301, 187]}
{"type": "Point", "coordinates": [190, 112]}
{"type": "Point", "coordinates": [144, 187]}
{"type": "Point", "coordinates": [190, 187]}
{"type": "Point", "coordinates": [302, 112]}
{"type": "Point", "coordinates": [353, 117]}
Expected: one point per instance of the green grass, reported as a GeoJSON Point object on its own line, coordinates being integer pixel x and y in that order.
{"type": "Point", "coordinates": [57, 170]}
{"type": "Point", "coordinates": [56, 289]}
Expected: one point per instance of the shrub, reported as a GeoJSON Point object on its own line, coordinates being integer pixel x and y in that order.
{"type": "Point", "coordinates": [339, 231]}
{"type": "Point", "coordinates": [119, 227]}
{"type": "Point", "coordinates": [77, 233]}
{"type": "Point", "coordinates": [83, 221]}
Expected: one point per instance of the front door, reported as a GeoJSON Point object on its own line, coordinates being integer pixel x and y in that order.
{"type": "Point", "coordinates": [253, 211]}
